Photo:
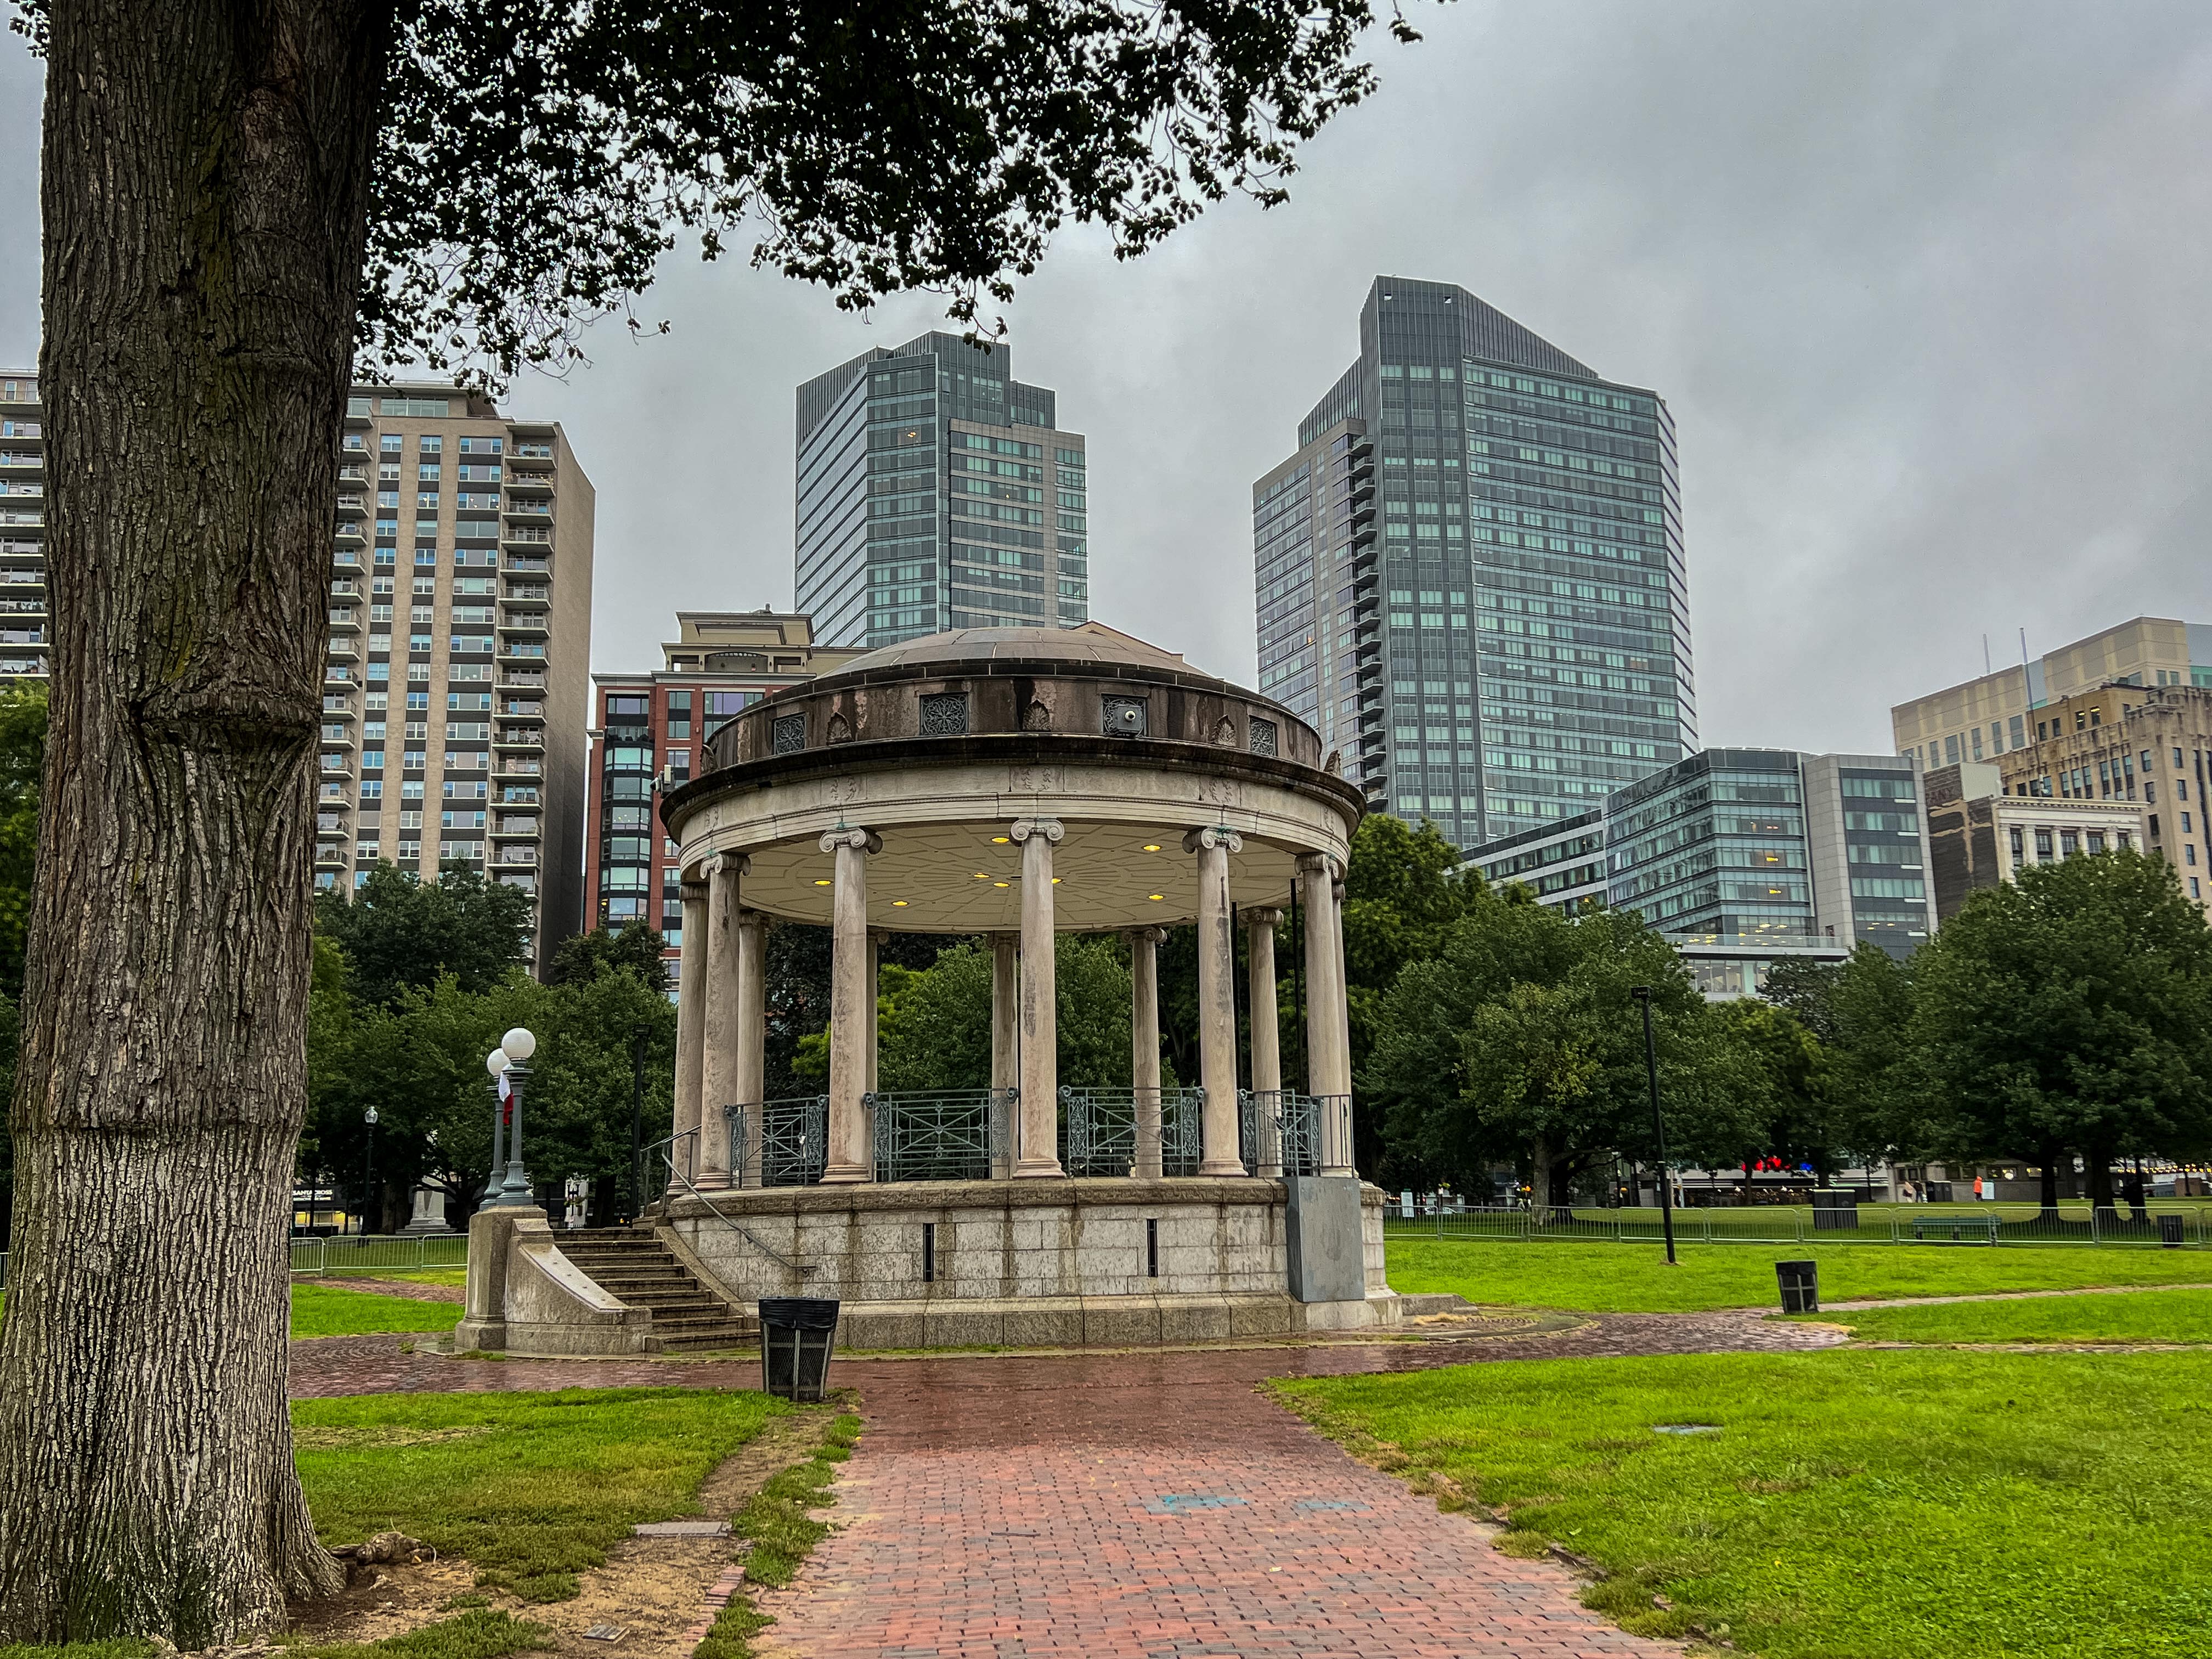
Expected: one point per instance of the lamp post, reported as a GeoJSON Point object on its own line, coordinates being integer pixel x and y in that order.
{"type": "Point", "coordinates": [495, 1062]}
{"type": "Point", "coordinates": [1642, 995]}
{"type": "Point", "coordinates": [367, 1162]}
{"type": "Point", "coordinates": [517, 1046]}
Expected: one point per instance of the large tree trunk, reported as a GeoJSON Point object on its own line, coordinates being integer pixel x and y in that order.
{"type": "Point", "coordinates": [2048, 1209]}
{"type": "Point", "coordinates": [204, 191]}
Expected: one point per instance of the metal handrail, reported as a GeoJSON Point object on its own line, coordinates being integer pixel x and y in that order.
{"type": "Point", "coordinates": [750, 1238]}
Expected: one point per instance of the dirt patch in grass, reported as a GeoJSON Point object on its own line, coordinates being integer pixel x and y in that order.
{"type": "Point", "coordinates": [415, 1290]}
{"type": "Point", "coordinates": [654, 1588]}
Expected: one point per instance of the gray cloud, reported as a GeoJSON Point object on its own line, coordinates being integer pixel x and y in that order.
{"type": "Point", "coordinates": [1923, 286]}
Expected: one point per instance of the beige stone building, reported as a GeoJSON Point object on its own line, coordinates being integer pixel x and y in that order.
{"type": "Point", "coordinates": [458, 688]}
{"type": "Point", "coordinates": [1998, 713]}
{"type": "Point", "coordinates": [1980, 835]}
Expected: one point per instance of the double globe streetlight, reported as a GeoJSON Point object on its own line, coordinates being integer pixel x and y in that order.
{"type": "Point", "coordinates": [509, 1065]}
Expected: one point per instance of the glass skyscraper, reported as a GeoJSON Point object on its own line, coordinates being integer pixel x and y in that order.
{"type": "Point", "coordinates": [936, 491]}
{"type": "Point", "coordinates": [1470, 574]}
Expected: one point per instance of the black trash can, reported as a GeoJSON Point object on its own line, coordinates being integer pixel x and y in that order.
{"type": "Point", "coordinates": [1836, 1209]}
{"type": "Point", "coordinates": [797, 1334]}
{"type": "Point", "coordinates": [2169, 1231]}
{"type": "Point", "coordinates": [1800, 1286]}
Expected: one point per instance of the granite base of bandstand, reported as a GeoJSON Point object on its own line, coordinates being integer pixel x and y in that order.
{"type": "Point", "coordinates": [1047, 1263]}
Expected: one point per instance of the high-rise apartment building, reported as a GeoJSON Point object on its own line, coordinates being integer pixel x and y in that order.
{"type": "Point", "coordinates": [652, 733]}
{"type": "Point", "coordinates": [25, 627]}
{"type": "Point", "coordinates": [1470, 575]}
{"type": "Point", "coordinates": [456, 690]}
{"type": "Point", "coordinates": [457, 686]}
{"type": "Point", "coordinates": [936, 491]}
{"type": "Point", "coordinates": [1982, 719]}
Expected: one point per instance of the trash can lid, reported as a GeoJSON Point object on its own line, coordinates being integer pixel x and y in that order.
{"type": "Point", "coordinates": [799, 1313]}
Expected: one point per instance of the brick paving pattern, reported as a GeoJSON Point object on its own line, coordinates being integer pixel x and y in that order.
{"type": "Point", "coordinates": [1144, 1503]}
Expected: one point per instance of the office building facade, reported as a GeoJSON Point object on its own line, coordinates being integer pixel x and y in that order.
{"type": "Point", "coordinates": [1470, 574]}
{"type": "Point", "coordinates": [1999, 713]}
{"type": "Point", "coordinates": [456, 687]}
{"type": "Point", "coordinates": [1981, 835]}
{"type": "Point", "coordinates": [936, 491]}
{"type": "Point", "coordinates": [651, 733]}
{"type": "Point", "coordinates": [1744, 857]}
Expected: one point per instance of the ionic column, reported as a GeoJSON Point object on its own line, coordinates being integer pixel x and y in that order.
{"type": "Point", "coordinates": [850, 1157]}
{"type": "Point", "coordinates": [1036, 1145]}
{"type": "Point", "coordinates": [690, 1030]}
{"type": "Point", "coordinates": [877, 936]}
{"type": "Point", "coordinates": [1006, 1035]}
{"type": "Point", "coordinates": [1144, 1045]}
{"type": "Point", "coordinates": [1217, 999]}
{"type": "Point", "coordinates": [720, 1087]}
{"type": "Point", "coordinates": [752, 1037]}
{"type": "Point", "coordinates": [1267, 1033]}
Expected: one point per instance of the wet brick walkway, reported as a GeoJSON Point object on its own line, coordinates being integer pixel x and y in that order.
{"type": "Point", "coordinates": [1148, 1504]}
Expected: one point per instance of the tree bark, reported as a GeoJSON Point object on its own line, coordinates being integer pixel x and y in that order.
{"type": "Point", "coordinates": [2048, 1209]}
{"type": "Point", "coordinates": [204, 190]}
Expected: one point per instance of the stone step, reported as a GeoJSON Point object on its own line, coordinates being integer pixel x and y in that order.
{"type": "Point", "coordinates": [632, 1266]}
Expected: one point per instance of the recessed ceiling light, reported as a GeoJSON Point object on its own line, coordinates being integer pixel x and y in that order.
{"type": "Point", "coordinates": [979, 876]}
{"type": "Point", "coordinates": [822, 884]}
{"type": "Point", "coordinates": [1156, 898]}
{"type": "Point", "coordinates": [1056, 881]}
{"type": "Point", "coordinates": [1151, 846]}
{"type": "Point", "coordinates": [997, 883]}
{"type": "Point", "coordinates": [1000, 840]}
{"type": "Point", "coordinates": [898, 904]}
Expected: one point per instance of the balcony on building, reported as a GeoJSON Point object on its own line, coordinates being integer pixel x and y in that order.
{"type": "Point", "coordinates": [513, 677]}
{"type": "Point", "coordinates": [519, 766]}
{"type": "Point", "coordinates": [519, 856]}
{"type": "Point", "coordinates": [530, 483]}
{"type": "Point", "coordinates": [530, 506]}
{"type": "Point", "coordinates": [21, 667]}
{"type": "Point", "coordinates": [528, 705]}
{"type": "Point", "coordinates": [514, 535]}
{"type": "Point", "coordinates": [525, 624]}
{"type": "Point", "coordinates": [329, 853]}
{"type": "Point", "coordinates": [528, 738]}
{"type": "Point", "coordinates": [342, 649]}
{"type": "Point", "coordinates": [337, 734]}
{"type": "Point", "coordinates": [346, 618]}
{"type": "Point", "coordinates": [513, 826]}
{"type": "Point", "coordinates": [349, 535]}
{"type": "Point", "coordinates": [518, 794]}
{"type": "Point", "coordinates": [20, 460]}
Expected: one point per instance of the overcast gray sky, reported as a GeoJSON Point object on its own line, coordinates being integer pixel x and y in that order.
{"type": "Point", "coordinates": [1925, 285]}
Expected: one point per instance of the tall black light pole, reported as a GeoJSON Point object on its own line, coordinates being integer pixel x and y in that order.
{"type": "Point", "coordinates": [1642, 995]}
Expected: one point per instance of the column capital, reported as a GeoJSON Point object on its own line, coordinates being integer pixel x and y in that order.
{"type": "Point", "coordinates": [726, 864]}
{"type": "Point", "coordinates": [1051, 829]}
{"type": "Point", "coordinates": [1213, 836]}
{"type": "Point", "coordinates": [1154, 936]}
{"type": "Point", "coordinates": [865, 841]}
{"type": "Point", "coordinates": [751, 918]}
{"type": "Point", "coordinates": [1319, 864]}
{"type": "Point", "coordinates": [693, 892]}
{"type": "Point", "coordinates": [879, 936]}
{"type": "Point", "coordinates": [1262, 916]}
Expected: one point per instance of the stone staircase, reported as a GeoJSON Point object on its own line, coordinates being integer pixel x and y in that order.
{"type": "Point", "coordinates": [632, 1265]}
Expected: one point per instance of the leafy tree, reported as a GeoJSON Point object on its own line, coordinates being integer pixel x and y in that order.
{"type": "Point", "coordinates": [933, 1024]}
{"type": "Point", "coordinates": [1404, 892]}
{"type": "Point", "coordinates": [1519, 1042]}
{"type": "Point", "coordinates": [450, 183]}
{"type": "Point", "coordinates": [400, 932]}
{"type": "Point", "coordinates": [1793, 1117]}
{"type": "Point", "coordinates": [634, 948]}
{"type": "Point", "coordinates": [2069, 1011]}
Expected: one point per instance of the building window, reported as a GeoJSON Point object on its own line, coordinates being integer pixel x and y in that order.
{"type": "Point", "coordinates": [2096, 840]}
{"type": "Point", "coordinates": [2195, 892]}
{"type": "Point", "coordinates": [2043, 846]}
{"type": "Point", "coordinates": [2019, 845]}
{"type": "Point", "coordinates": [2189, 851]}
{"type": "Point", "coordinates": [2068, 843]}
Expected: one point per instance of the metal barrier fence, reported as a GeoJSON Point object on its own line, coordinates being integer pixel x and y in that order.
{"type": "Point", "coordinates": [1099, 1130]}
{"type": "Point", "coordinates": [946, 1134]}
{"type": "Point", "coordinates": [2160, 1226]}
{"type": "Point", "coordinates": [351, 1253]}
{"type": "Point", "coordinates": [1283, 1132]}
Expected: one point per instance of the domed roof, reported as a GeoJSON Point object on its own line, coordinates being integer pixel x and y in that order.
{"type": "Point", "coordinates": [1092, 643]}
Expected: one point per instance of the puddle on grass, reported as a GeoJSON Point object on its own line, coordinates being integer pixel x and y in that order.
{"type": "Point", "coordinates": [1686, 1428]}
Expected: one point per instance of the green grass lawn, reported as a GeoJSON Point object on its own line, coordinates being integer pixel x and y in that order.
{"type": "Point", "coordinates": [2150, 1317]}
{"type": "Point", "coordinates": [530, 1488]}
{"type": "Point", "coordinates": [1855, 1504]}
{"type": "Point", "coordinates": [1609, 1277]}
{"type": "Point", "coordinates": [325, 1311]}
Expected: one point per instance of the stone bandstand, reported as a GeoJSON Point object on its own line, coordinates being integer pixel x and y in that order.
{"type": "Point", "coordinates": [1016, 784]}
